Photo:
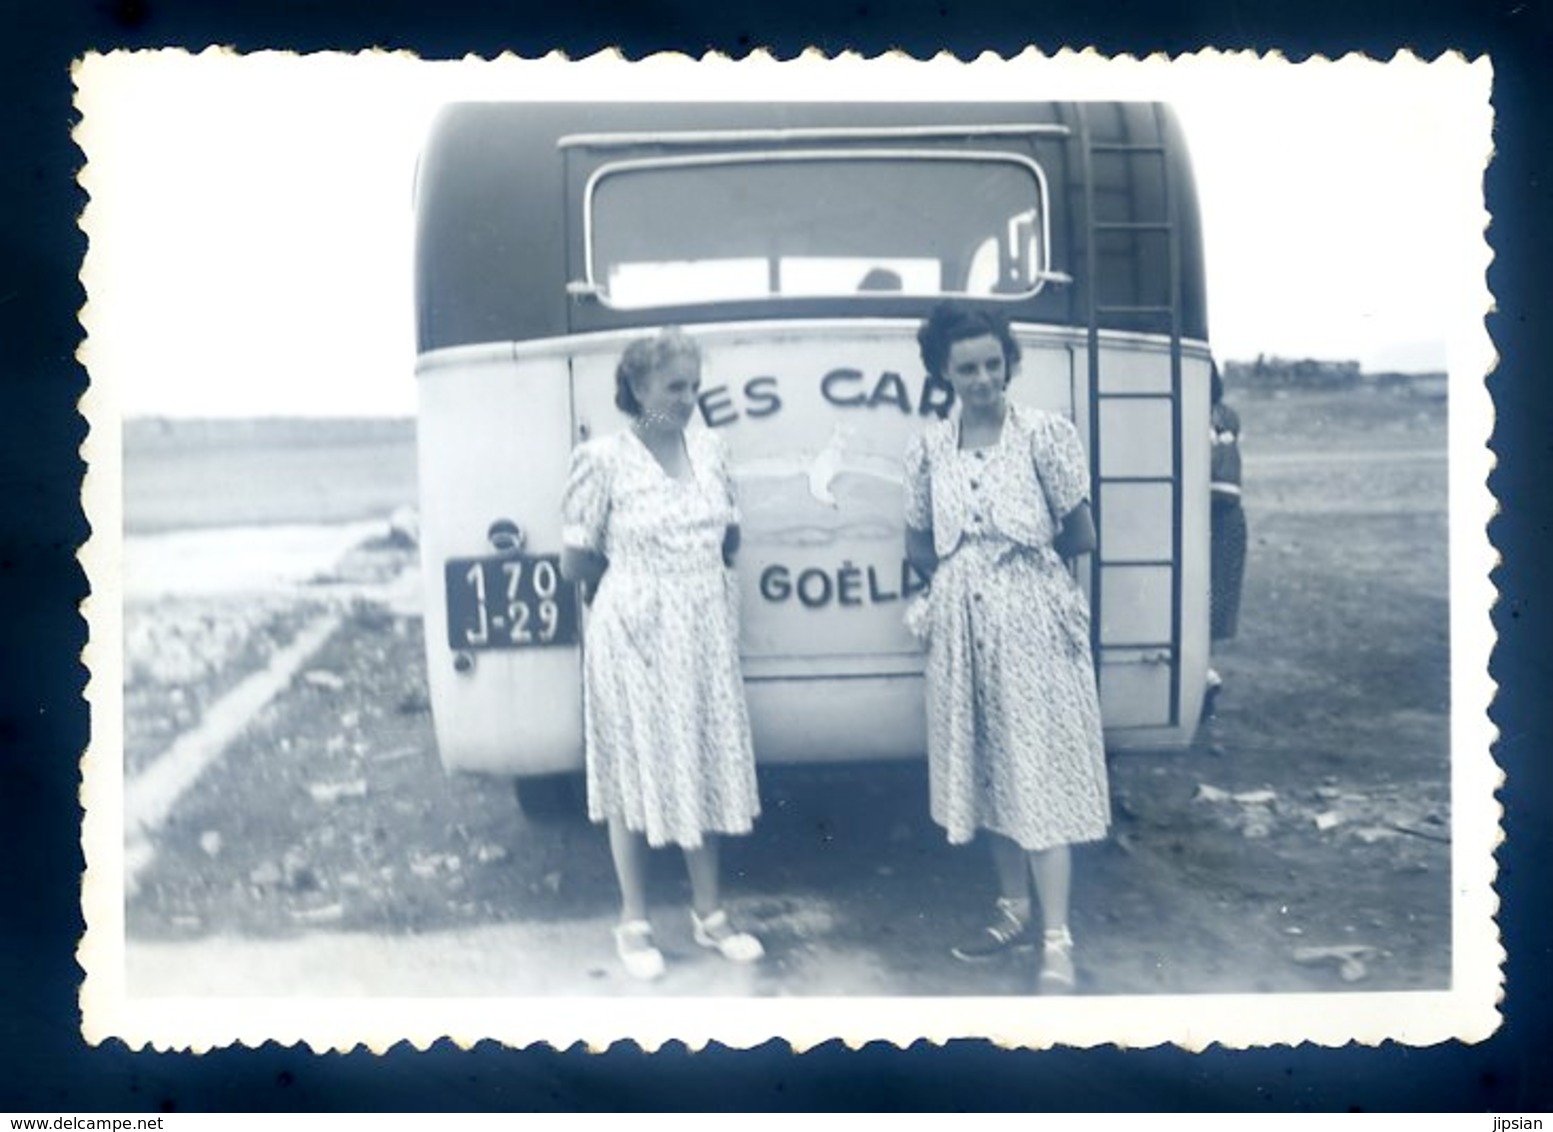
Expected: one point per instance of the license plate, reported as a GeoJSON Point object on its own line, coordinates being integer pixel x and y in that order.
{"type": "Point", "coordinates": [516, 601]}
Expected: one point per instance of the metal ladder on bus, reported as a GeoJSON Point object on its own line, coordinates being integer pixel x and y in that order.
{"type": "Point", "coordinates": [1169, 226]}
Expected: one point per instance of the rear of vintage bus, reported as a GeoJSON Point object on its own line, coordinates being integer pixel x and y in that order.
{"type": "Point", "coordinates": [801, 245]}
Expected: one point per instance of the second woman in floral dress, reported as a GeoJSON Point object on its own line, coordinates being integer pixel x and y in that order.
{"type": "Point", "coordinates": [997, 499]}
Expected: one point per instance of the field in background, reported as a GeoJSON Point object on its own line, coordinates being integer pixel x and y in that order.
{"type": "Point", "coordinates": [184, 474]}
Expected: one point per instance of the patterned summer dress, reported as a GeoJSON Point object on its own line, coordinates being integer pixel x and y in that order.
{"type": "Point", "coordinates": [665, 723]}
{"type": "Point", "coordinates": [1014, 738]}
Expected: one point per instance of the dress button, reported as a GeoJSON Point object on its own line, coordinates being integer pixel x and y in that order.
{"type": "Point", "coordinates": [975, 516]}
{"type": "Point", "coordinates": [980, 455]}
{"type": "Point", "coordinates": [975, 485]}
{"type": "Point", "coordinates": [976, 597]}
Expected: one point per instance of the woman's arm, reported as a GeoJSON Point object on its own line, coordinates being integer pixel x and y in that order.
{"type": "Point", "coordinates": [920, 552]}
{"type": "Point", "coordinates": [585, 517]}
{"type": "Point", "coordinates": [1078, 533]}
{"type": "Point", "coordinates": [584, 567]}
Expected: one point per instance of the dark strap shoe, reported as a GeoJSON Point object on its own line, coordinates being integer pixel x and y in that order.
{"type": "Point", "coordinates": [1007, 933]}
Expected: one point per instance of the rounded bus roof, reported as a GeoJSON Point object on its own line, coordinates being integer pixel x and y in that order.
{"type": "Point", "coordinates": [499, 204]}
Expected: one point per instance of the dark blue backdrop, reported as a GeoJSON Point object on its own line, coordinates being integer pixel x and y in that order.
{"type": "Point", "coordinates": [43, 725]}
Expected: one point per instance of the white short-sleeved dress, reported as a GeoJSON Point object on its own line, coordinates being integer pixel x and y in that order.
{"type": "Point", "coordinates": [1014, 733]}
{"type": "Point", "coordinates": [665, 722]}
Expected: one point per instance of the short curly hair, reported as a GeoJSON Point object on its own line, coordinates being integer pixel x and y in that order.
{"type": "Point", "coordinates": [949, 323]}
{"type": "Point", "coordinates": [643, 356]}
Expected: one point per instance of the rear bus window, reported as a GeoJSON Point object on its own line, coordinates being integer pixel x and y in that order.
{"type": "Point", "coordinates": [691, 230]}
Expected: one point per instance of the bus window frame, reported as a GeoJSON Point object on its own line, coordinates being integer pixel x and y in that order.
{"type": "Point", "coordinates": [591, 287]}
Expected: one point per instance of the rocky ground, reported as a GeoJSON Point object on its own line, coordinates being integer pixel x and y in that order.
{"type": "Point", "coordinates": [1302, 844]}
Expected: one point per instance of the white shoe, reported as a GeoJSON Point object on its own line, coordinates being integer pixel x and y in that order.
{"type": "Point", "coordinates": [717, 933]}
{"type": "Point", "coordinates": [1057, 975]}
{"type": "Point", "coordinates": [638, 953]}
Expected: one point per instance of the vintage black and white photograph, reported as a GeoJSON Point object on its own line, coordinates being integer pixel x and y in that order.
{"type": "Point", "coordinates": [849, 548]}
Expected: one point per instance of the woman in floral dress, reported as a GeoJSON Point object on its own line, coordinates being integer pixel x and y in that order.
{"type": "Point", "coordinates": [650, 531]}
{"type": "Point", "coordinates": [997, 501]}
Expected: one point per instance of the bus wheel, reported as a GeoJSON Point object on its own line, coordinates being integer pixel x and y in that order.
{"type": "Point", "coordinates": [552, 797]}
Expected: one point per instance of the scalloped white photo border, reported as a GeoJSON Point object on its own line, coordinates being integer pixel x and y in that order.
{"type": "Point", "coordinates": [1468, 1011]}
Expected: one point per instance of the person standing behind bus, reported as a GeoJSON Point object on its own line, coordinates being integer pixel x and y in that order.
{"type": "Point", "coordinates": [1227, 528]}
{"type": "Point", "coordinates": [997, 499]}
{"type": "Point", "coordinates": [650, 521]}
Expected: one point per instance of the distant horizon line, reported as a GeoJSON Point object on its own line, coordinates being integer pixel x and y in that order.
{"type": "Point", "coordinates": [393, 416]}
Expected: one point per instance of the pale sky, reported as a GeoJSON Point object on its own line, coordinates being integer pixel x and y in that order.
{"type": "Point", "coordinates": [250, 225]}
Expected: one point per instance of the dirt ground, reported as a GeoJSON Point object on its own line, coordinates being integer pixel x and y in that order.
{"type": "Point", "coordinates": [1301, 844]}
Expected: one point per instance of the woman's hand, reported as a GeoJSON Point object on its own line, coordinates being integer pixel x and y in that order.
{"type": "Point", "coordinates": [920, 552]}
{"type": "Point", "coordinates": [584, 568]}
{"type": "Point", "coordinates": [1077, 535]}
{"type": "Point", "coordinates": [731, 539]}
